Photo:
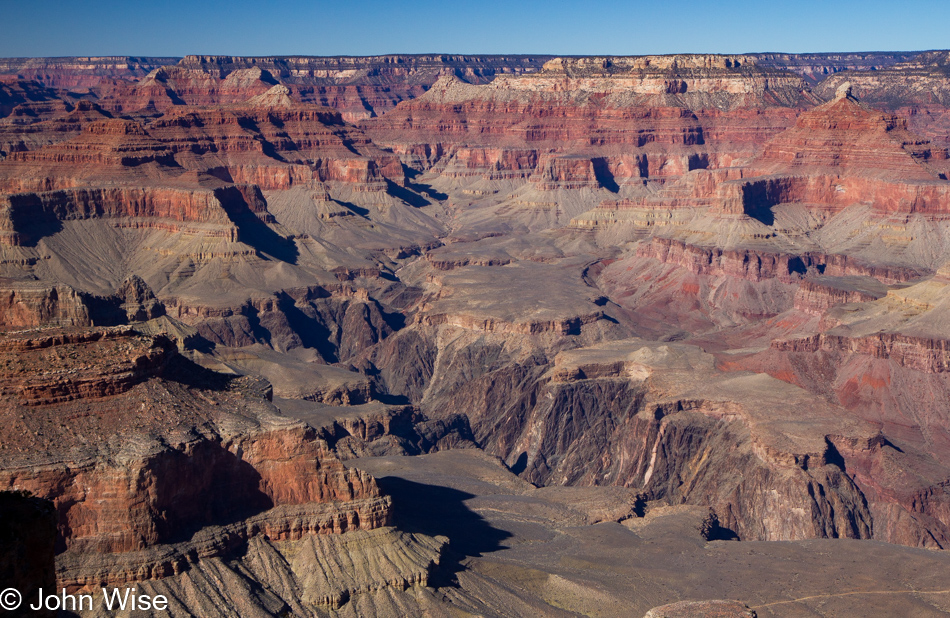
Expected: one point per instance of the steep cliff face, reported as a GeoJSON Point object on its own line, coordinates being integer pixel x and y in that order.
{"type": "Point", "coordinates": [227, 469]}
{"type": "Point", "coordinates": [131, 360]}
{"type": "Point", "coordinates": [695, 105]}
{"type": "Point", "coordinates": [757, 265]}
{"type": "Point", "coordinates": [900, 473]}
{"type": "Point", "coordinates": [28, 304]}
{"type": "Point", "coordinates": [925, 354]}
{"type": "Point", "coordinates": [818, 295]}
{"type": "Point", "coordinates": [843, 153]}
{"type": "Point", "coordinates": [620, 414]}
{"type": "Point", "coordinates": [26, 217]}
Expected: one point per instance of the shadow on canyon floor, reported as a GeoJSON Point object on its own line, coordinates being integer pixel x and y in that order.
{"type": "Point", "coordinates": [434, 510]}
{"type": "Point", "coordinates": [254, 232]}
{"type": "Point", "coordinates": [188, 373]}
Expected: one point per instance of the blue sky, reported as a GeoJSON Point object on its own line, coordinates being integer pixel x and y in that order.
{"type": "Point", "coordinates": [243, 27]}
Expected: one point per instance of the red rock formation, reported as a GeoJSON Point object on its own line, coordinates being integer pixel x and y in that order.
{"type": "Point", "coordinates": [167, 495]}
{"type": "Point", "coordinates": [29, 305]}
{"type": "Point", "coordinates": [124, 170]}
{"type": "Point", "coordinates": [106, 142]}
{"type": "Point", "coordinates": [882, 378]}
{"type": "Point", "coordinates": [920, 353]}
{"type": "Point", "coordinates": [24, 215]}
{"type": "Point", "coordinates": [169, 86]}
{"type": "Point", "coordinates": [309, 142]}
{"type": "Point", "coordinates": [165, 489]}
{"type": "Point", "coordinates": [360, 87]}
{"type": "Point", "coordinates": [168, 469]}
{"type": "Point", "coordinates": [129, 361]}
{"type": "Point", "coordinates": [843, 153]}
{"type": "Point", "coordinates": [846, 134]}
{"type": "Point", "coordinates": [815, 296]}
{"type": "Point", "coordinates": [24, 97]}
{"type": "Point", "coordinates": [757, 265]}
{"type": "Point", "coordinates": [31, 126]}
{"type": "Point", "coordinates": [481, 121]}
{"type": "Point", "coordinates": [82, 72]}
{"type": "Point", "coordinates": [579, 106]}
{"type": "Point", "coordinates": [931, 122]}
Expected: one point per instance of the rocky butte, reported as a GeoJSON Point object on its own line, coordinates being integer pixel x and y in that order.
{"type": "Point", "coordinates": [454, 335]}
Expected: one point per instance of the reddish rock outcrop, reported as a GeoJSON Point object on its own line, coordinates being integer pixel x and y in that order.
{"type": "Point", "coordinates": [920, 353]}
{"type": "Point", "coordinates": [679, 111]}
{"type": "Point", "coordinates": [359, 87]}
{"type": "Point", "coordinates": [170, 494]}
{"type": "Point", "coordinates": [81, 72]}
{"type": "Point", "coordinates": [757, 265]}
{"type": "Point", "coordinates": [30, 304]}
{"type": "Point", "coordinates": [45, 376]}
{"type": "Point", "coordinates": [816, 296]}
{"type": "Point", "coordinates": [238, 460]}
{"type": "Point", "coordinates": [26, 216]}
{"type": "Point", "coordinates": [843, 153]}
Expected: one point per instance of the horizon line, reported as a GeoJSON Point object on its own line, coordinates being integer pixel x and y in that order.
{"type": "Point", "coordinates": [497, 55]}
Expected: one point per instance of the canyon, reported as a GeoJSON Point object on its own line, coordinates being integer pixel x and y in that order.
{"type": "Point", "coordinates": [473, 335]}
